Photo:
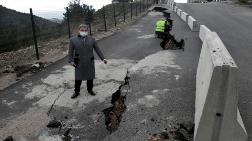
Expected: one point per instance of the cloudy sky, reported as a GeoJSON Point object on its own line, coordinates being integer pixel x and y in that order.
{"type": "Point", "coordinates": [43, 8]}
{"type": "Point", "coordinates": [47, 5]}
{"type": "Point", "coordinates": [48, 8]}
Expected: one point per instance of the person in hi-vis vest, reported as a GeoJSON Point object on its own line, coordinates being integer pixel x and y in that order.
{"type": "Point", "coordinates": [162, 28]}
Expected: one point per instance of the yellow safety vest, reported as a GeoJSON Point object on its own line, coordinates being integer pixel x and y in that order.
{"type": "Point", "coordinates": [160, 25]}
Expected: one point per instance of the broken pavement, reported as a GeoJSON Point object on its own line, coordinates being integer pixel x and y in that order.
{"type": "Point", "coordinates": [161, 93]}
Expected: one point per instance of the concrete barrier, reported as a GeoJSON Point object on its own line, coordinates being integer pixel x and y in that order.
{"type": "Point", "coordinates": [203, 32]}
{"type": "Point", "coordinates": [179, 12]}
{"type": "Point", "coordinates": [184, 16]}
{"type": "Point", "coordinates": [216, 114]}
{"type": "Point", "coordinates": [173, 5]}
{"type": "Point", "coordinates": [192, 23]}
{"type": "Point", "coordinates": [169, 3]}
{"type": "Point", "coordinates": [175, 9]}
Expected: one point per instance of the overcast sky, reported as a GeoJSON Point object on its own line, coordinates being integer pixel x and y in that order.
{"type": "Point", "coordinates": [47, 5]}
{"type": "Point", "coordinates": [48, 8]}
{"type": "Point", "coordinates": [44, 7]}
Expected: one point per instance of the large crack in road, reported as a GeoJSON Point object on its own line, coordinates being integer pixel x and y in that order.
{"type": "Point", "coordinates": [113, 114]}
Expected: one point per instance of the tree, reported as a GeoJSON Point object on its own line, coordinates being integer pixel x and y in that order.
{"type": "Point", "coordinates": [79, 12]}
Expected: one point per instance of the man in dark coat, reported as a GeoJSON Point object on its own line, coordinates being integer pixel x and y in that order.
{"type": "Point", "coordinates": [82, 58]}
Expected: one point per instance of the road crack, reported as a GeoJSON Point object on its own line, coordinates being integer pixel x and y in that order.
{"type": "Point", "coordinates": [113, 114]}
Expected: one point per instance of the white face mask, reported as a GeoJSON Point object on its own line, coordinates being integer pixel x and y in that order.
{"type": "Point", "coordinates": [83, 33]}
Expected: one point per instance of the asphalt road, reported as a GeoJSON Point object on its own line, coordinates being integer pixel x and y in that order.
{"type": "Point", "coordinates": [162, 89]}
{"type": "Point", "coordinates": [233, 24]}
{"type": "Point", "coordinates": [24, 105]}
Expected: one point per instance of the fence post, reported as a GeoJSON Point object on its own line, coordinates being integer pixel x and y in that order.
{"type": "Point", "coordinates": [131, 10]}
{"type": "Point", "coordinates": [144, 8]}
{"type": "Point", "coordinates": [123, 11]}
{"type": "Point", "coordinates": [146, 4]}
{"type": "Point", "coordinates": [114, 11]}
{"type": "Point", "coordinates": [104, 19]}
{"type": "Point", "coordinates": [136, 8]}
{"type": "Point", "coordinates": [143, 5]}
{"type": "Point", "coordinates": [90, 29]}
{"type": "Point", "coordinates": [34, 34]}
{"type": "Point", "coordinates": [140, 6]}
{"type": "Point", "coordinates": [68, 23]}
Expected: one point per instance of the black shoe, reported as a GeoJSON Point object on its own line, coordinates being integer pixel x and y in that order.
{"type": "Point", "coordinates": [75, 95]}
{"type": "Point", "coordinates": [92, 93]}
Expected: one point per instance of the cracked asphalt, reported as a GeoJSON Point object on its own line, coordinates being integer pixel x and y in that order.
{"type": "Point", "coordinates": [162, 90]}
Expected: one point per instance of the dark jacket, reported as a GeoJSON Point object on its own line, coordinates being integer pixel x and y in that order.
{"type": "Point", "coordinates": [81, 53]}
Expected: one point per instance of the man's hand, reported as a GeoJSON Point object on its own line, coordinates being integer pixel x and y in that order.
{"type": "Point", "coordinates": [73, 64]}
{"type": "Point", "coordinates": [105, 61]}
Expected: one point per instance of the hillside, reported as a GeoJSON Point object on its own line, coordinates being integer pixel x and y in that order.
{"type": "Point", "coordinates": [16, 30]}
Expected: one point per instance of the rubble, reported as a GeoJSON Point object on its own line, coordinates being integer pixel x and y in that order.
{"type": "Point", "coordinates": [20, 70]}
{"type": "Point", "coordinates": [181, 132]}
{"type": "Point", "coordinates": [188, 126]}
{"type": "Point", "coordinates": [54, 124]}
{"type": "Point", "coordinates": [9, 138]}
{"type": "Point", "coordinates": [66, 136]}
{"type": "Point", "coordinates": [8, 69]}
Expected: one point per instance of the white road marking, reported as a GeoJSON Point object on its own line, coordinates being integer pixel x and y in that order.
{"type": "Point", "coordinates": [146, 36]}
{"type": "Point", "coordinates": [177, 77]}
{"type": "Point", "coordinates": [149, 101]}
{"type": "Point", "coordinates": [8, 103]}
{"type": "Point", "coordinates": [153, 13]}
{"type": "Point", "coordinates": [135, 29]}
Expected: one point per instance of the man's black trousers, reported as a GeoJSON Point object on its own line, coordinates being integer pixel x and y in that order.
{"type": "Point", "coordinates": [78, 84]}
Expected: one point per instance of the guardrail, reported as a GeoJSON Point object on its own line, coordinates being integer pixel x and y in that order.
{"type": "Point", "coordinates": [175, 9]}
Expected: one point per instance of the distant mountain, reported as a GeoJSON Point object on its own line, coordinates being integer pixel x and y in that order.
{"type": "Point", "coordinates": [55, 20]}
{"type": "Point", "coordinates": [13, 17]}
{"type": "Point", "coordinates": [50, 14]}
{"type": "Point", "coordinates": [16, 30]}
{"type": "Point", "coordinates": [115, 1]}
